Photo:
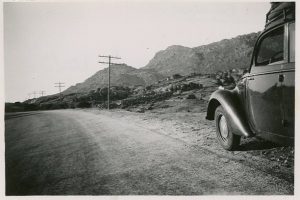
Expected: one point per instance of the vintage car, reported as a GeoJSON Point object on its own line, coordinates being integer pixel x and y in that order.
{"type": "Point", "coordinates": [262, 103]}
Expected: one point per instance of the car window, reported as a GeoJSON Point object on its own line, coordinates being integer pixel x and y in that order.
{"type": "Point", "coordinates": [271, 48]}
{"type": "Point", "coordinates": [292, 42]}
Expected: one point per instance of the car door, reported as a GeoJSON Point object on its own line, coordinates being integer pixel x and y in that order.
{"type": "Point", "coordinates": [288, 83]}
{"type": "Point", "coordinates": [264, 86]}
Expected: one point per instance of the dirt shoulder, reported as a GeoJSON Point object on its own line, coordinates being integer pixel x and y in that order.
{"type": "Point", "coordinates": [184, 121]}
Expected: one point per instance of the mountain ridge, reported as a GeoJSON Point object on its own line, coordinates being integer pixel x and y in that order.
{"type": "Point", "coordinates": [176, 59]}
{"type": "Point", "coordinates": [222, 55]}
{"type": "Point", "coordinates": [121, 75]}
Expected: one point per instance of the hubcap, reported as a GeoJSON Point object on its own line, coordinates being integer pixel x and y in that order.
{"type": "Point", "coordinates": [223, 127]}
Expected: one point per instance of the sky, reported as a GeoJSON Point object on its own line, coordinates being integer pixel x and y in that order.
{"type": "Point", "coordinates": [48, 42]}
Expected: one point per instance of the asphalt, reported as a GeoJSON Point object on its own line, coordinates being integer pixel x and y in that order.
{"type": "Point", "coordinates": [73, 152]}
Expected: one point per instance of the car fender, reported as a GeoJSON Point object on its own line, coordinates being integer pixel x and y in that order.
{"type": "Point", "coordinates": [230, 102]}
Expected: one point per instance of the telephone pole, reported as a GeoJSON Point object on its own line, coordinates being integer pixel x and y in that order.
{"type": "Point", "coordinates": [109, 63]}
{"type": "Point", "coordinates": [42, 93]}
{"type": "Point", "coordinates": [34, 94]}
{"type": "Point", "coordinates": [59, 85]}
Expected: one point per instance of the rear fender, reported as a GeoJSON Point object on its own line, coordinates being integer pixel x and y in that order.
{"type": "Point", "coordinates": [232, 106]}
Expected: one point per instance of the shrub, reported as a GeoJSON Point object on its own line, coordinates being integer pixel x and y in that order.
{"type": "Point", "coordinates": [83, 104]}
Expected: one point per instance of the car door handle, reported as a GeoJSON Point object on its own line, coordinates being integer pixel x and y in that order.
{"type": "Point", "coordinates": [251, 79]}
{"type": "Point", "coordinates": [281, 77]}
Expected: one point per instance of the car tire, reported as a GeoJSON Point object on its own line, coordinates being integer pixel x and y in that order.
{"type": "Point", "coordinates": [225, 136]}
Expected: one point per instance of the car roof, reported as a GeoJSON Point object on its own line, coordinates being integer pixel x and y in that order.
{"type": "Point", "coordinates": [280, 13]}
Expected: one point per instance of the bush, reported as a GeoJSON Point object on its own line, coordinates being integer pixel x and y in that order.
{"type": "Point", "coordinates": [30, 107]}
{"type": "Point", "coordinates": [46, 106]}
{"type": "Point", "coordinates": [83, 104]}
{"type": "Point", "coordinates": [53, 106]}
{"type": "Point", "coordinates": [145, 99]}
{"type": "Point", "coordinates": [13, 107]}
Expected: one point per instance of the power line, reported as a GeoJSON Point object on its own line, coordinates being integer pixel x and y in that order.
{"type": "Point", "coordinates": [59, 85]}
{"type": "Point", "coordinates": [109, 63]}
{"type": "Point", "coordinates": [109, 57]}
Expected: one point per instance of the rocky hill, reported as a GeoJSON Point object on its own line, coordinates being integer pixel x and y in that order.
{"type": "Point", "coordinates": [218, 56]}
{"type": "Point", "coordinates": [176, 60]}
{"type": "Point", "coordinates": [121, 75]}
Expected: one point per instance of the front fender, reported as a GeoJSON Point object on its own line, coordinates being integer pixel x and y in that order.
{"type": "Point", "coordinates": [230, 102]}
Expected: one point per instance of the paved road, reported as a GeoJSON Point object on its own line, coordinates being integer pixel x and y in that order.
{"type": "Point", "coordinates": [75, 152]}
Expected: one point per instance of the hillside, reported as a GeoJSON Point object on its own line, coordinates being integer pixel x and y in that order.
{"type": "Point", "coordinates": [224, 55]}
{"type": "Point", "coordinates": [219, 56]}
{"type": "Point", "coordinates": [228, 53]}
{"type": "Point", "coordinates": [121, 75]}
{"type": "Point", "coordinates": [176, 60]}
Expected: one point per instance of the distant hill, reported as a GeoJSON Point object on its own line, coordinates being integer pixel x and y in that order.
{"type": "Point", "coordinates": [218, 56]}
{"type": "Point", "coordinates": [222, 55]}
{"type": "Point", "coordinates": [175, 60]}
{"type": "Point", "coordinates": [121, 75]}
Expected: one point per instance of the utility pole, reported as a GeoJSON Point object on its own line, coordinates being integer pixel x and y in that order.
{"type": "Point", "coordinates": [42, 93]}
{"type": "Point", "coordinates": [34, 94]}
{"type": "Point", "coordinates": [29, 95]}
{"type": "Point", "coordinates": [59, 85]}
{"type": "Point", "coordinates": [109, 63]}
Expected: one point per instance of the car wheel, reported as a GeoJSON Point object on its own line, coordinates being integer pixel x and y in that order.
{"type": "Point", "coordinates": [225, 137]}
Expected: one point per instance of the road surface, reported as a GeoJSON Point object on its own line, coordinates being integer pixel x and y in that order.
{"type": "Point", "coordinates": [74, 152]}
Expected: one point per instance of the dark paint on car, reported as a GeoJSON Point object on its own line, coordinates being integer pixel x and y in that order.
{"type": "Point", "coordinates": [263, 101]}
